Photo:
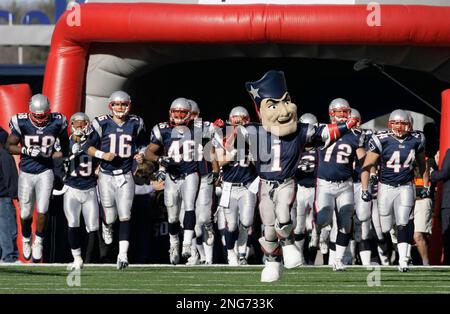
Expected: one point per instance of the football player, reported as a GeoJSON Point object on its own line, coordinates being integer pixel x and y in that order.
{"type": "Point", "coordinates": [305, 177]}
{"type": "Point", "coordinates": [276, 145]}
{"type": "Point", "coordinates": [34, 136]}
{"type": "Point", "coordinates": [237, 201]}
{"type": "Point", "coordinates": [209, 173]}
{"type": "Point", "coordinates": [334, 180]}
{"type": "Point", "coordinates": [397, 151]}
{"type": "Point", "coordinates": [80, 195]}
{"type": "Point", "coordinates": [180, 142]}
{"type": "Point", "coordinates": [117, 139]}
{"type": "Point", "coordinates": [363, 210]}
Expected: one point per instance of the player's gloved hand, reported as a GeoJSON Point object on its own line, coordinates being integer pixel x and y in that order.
{"type": "Point", "coordinates": [373, 183]}
{"type": "Point", "coordinates": [366, 196]}
{"type": "Point", "coordinates": [76, 148]}
{"type": "Point", "coordinates": [306, 166]}
{"type": "Point", "coordinates": [215, 176]}
{"type": "Point", "coordinates": [32, 151]}
{"type": "Point", "coordinates": [219, 123]}
{"type": "Point", "coordinates": [164, 161]}
{"type": "Point", "coordinates": [160, 175]}
{"type": "Point", "coordinates": [66, 164]}
{"type": "Point", "coordinates": [425, 192]}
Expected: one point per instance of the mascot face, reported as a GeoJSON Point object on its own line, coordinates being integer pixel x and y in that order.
{"type": "Point", "coordinates": [279, 116]}
{"type": "Point", "coordinates": [272, 101]}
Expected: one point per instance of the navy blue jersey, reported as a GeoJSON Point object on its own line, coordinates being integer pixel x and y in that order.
{"type": "Point", "coordinates": [336, 162]}
{"type": "Point", "coordinates": [276, 157]}
{"type": "Point", "coordinates": [367, 134]}
{"type": "Point", "coordinates": [124, 140]}
{"type": "Point", "coordinates": [44, 137]}
{"type": "Point", "coordinates": [397, 156]}
{"type": "Point", "coordinates": [182, 144]}
{"type": "Point", "coordinates": [307, 178]}
{"type": "Point", "coordinates": [81, 174]}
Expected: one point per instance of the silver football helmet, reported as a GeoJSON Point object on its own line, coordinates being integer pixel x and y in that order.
{"type": "Point", "coordinates": [238, 116]}
{"type": "Point", "coordinates": [180, 111]}
{"type": "Point", "coordinates": [79, 124]}
{"type": "Point", "coordinates": [39, 108]}
{"type": "Point", "coordinates": [356, 115]}
{"type": "Point", "coordinates": [195, 110]}
{"type": "Point", "coordinates": [309, 118]}
{"type": "Point", "coordinates": [119, 103]}
{"type": "Point", "coordinates": [339, 110]}
{"type": "Point", "coordinates": [400, 122]}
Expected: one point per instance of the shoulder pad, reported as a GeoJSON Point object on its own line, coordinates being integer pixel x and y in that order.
{"type": "Point", "coordinates": [416, 134]}
{"type": "Point", "coordinates": [163, 125]}
{"type": "Point", "coordinates": [133, 117]}
{"type": "Point", "coordinates": [102, 118]}
{"type": "Point", "coordinates": [22, 116]}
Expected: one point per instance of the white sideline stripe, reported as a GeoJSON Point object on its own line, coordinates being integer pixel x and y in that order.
{"type": "Point", "coordinates": [168, 266]}
{"type": "Point", "coordinates": [165, 284]}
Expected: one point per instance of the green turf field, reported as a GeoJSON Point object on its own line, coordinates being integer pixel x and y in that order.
{"type": "Point", "coordinates": [219, 279]}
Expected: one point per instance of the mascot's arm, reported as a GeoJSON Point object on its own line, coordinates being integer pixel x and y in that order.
{"type": "Point", "coordinates": [325, 135]}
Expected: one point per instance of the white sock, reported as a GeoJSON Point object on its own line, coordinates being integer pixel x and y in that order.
{"type": "Point", "coordinates": [123, 247]}
{"type": "Point", "coordinates": [26, 239]}
{"type": "Point", "coordinates": [208, 253]}
{"type": "Point", "coordinates": [38, 239]}
{"type": "Point", "coordinates": [76, 253]}
{"type": "Point", "coordinates": [331, 256]}
{"type": "Point", "coordinates": [402, 250]}
{"type": "Point", "coordinates": [340, 251]}
{"type": "Point", "coordinates": [173, 238]}
{"type": "Point", "coordinates": [242, 239]}
{"type": "Point", "coordinates": [408, 252]}
{"type": "Point", "coordinates": [365, 257]}
{"type": "Point", "coordinates": [188, 235]}
{"type": "Point", "coordinates": [201, 251]}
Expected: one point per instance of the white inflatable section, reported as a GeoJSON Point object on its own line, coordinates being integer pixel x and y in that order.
{"type": "Point", "coordinates": [111, 66]}
{"type": "Point", "coordinates": [380, 123]}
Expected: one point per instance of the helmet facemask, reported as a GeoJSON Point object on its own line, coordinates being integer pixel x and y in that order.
{"type": "Point", "coordinates": [80, 128]}
{"type": "Point", "coordinates": [179, 116]}
{"type": "Point", "coordinates": [339, 114]}
{"type": "Point", "coordinates": [120, 109]}
{"type": "Point", "coordinates": [399, 128]}
{"type": "Point", "coordinates": [40, 119]}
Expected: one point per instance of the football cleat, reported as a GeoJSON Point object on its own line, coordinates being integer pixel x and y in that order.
{"type": "Point", "coordinates": [174, 255]}
{"type": "Point", "coordinates": [338, 265]}
{"type": "Point", "coordinates": [291, 256]}
{"type": "Point", "coordinates": [107, 233]}
{"type": "Point", "coordinates": [26, 248]}
{"type": "Point", "coordinates": [272, 271]}
{"type": "Point", "coordinates": [36, 249]}
{"type": "Point", "coordinates": [242, 259]}
{"type": "Point", "coordinates": [403, 266]}
{"type": "Point", "coordinates": [186, 250]}
{"type": "Point", "coordinates": [77, 263]}
{"type": "Point", "coordinates": [232, 258]}
{"type": "Point", "coordinates": [194, 259]}
{"type": "Point", "coordinates": [122, 261]}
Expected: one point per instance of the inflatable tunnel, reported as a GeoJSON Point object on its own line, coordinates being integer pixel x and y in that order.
{"type": "Point", "coordinates": [100, 48]}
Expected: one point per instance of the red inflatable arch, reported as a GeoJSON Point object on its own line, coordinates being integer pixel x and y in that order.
{"type": "Point", "coordinates": [204, 24]}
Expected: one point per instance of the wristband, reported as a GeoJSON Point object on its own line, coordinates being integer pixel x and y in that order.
{"type": "Point", "coordinates": [99, 154]}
